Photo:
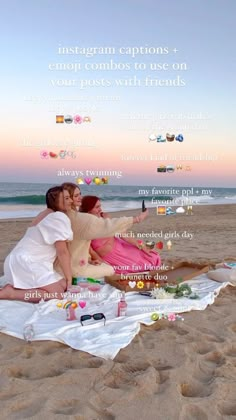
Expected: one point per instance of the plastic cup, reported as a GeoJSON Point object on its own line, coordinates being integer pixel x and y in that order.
{"type": "Point", "coordinates": [94, 287]}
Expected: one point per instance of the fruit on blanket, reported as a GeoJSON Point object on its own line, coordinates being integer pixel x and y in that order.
{"type": "Point", "coordinates": [159, 245]}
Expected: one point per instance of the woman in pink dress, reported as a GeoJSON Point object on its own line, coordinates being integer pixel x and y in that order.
{"type": "Point", "coordinates": [126, 255]}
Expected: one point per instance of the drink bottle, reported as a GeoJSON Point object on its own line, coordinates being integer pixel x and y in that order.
{"type": "Point", "coordinates": [122, 305]}
{"type": "Point", "coordinates": [28, 332]}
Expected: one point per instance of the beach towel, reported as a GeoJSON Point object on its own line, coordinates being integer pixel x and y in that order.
{"type": "Point", "coordinates": [49, 321]}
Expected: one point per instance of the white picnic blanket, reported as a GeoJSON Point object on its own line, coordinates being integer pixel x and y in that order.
{"type": "Point", "coordinates": [49, 321]}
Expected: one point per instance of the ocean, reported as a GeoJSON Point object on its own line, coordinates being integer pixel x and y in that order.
{"type": "Point", "coordinates": [19, 200]}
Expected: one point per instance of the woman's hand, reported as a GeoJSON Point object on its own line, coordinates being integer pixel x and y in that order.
{"type": "Point", "coordinates": [104, 215]}
{"type": "Point", "coordinates": [96, 262]}
{"type": "Point", "coordinates": [64, 260]}
{"type": "Point", "coordinates": [141, 217]}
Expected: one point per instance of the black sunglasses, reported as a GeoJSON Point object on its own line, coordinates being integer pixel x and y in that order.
{"type": "Point", "coordinates": [96, 317]}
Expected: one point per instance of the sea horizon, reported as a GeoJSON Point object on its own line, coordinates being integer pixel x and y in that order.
{"type": "Point", "coordinates": [21, 199]}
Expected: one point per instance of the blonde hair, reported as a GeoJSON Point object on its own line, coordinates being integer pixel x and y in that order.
{"type": "Point", "coordinates": [70, 187]}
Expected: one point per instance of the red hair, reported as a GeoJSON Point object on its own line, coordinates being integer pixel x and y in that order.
{"type": "Point", "coordinates": [88, 203]}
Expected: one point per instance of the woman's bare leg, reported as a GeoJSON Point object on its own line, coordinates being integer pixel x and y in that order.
{"type": "Point", "coordinates": [51, 291]}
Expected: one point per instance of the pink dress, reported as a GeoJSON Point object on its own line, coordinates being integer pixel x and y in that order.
{"type": "Point", "coordinates": [126, 258]}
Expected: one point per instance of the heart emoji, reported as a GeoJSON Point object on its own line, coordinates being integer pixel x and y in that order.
{"type": "Point", "coordinates": [82, 304]}
{"type": "Point", "coordinates": [159, 245]}
{"type": "Point", "coordinates": [53, 155]}
{"type": "Point", "coordinates": [88, 180]}
{"type": "Point", "coordinates": [132, 284]}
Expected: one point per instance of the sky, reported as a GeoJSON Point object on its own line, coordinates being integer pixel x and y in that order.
{"type": "Point", "coordinates": [125, 105]}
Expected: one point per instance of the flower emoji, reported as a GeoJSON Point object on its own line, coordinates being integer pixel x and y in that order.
{"type": "Point", "coordinates": [140, 244]}
{"type": "Point", "coordinates": [171, 317]}
{"type": "Point", "coordinates": [82, 262]}
{"type": "Point", "coordinates": [78, 119]}
{"type": "Point", "coordinates": [140, 284]}
{"type": "Point", "coordinates": [44, 154]}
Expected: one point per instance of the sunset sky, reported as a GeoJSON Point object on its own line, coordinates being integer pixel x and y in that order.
{"type": "Point", "coordinates": [198, 37]}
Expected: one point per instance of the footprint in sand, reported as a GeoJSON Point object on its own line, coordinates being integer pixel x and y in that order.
{"type": "Point", "coordinates": [23, 408]}
{"type": "Point", "coordinates": [66, 407]}
{"type": "Point", "coordinates": [130, 374]}
{"type": "Point", "coordinates": [122, 357]}
{"type": "Point", "coordinates": [195, 390]}
{"type": "Point", "coordinates": [32, 374]}
{"type": "Point", "coordinates": [231, 351]}
{"type": "Point", "coordinates": [51, 348]}
{"type": "Point", "coordinates": [161, 365]}
{"type": "Point", "coordinates": [82, 410]}
{"type": "Point", "coordinates": [180, 330]}
{"type": "Point", "coordinates": [203, 372]}
{"type": "Point", "coordinates": [232, 327]}
{"type": "Point", "coordinates": [192, 412]}
{"type": "Point", "coordinates": [216, 358]}
{"type": "Point", "coordinates": [227, 409]}
{"type": "Point", "coordinates": [213, 338]}
{"type": "Point", "coordinates": [93, 363]}
{"type": "Point", "coordinates": [29, 352]}
{"type": "Point", "coordinates": [203, 348]}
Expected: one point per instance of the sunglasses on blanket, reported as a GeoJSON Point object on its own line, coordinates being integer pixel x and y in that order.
{"type": "Point", "coordinates": [96, 317]}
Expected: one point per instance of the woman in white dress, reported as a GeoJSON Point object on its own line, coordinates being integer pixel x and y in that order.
{"type": "Point", "coordinates": [29, 267]}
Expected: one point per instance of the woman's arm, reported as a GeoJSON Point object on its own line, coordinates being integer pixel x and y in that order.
{"type": "Point", "coordinates": [86, 226]}
{"type": "Point", "coordinates": [95, 258]}
{"type": "Point", "coordinates": [63, 256]}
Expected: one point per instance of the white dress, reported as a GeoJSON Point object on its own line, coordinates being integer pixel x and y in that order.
{"type": "Point", "coordinates": [30, 264]}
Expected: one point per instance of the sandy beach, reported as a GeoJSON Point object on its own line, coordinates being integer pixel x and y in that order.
{"type": "Point", "coordinates": [172, 370]}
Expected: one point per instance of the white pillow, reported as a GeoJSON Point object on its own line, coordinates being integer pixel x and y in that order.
{"type": "Point", "coordinates": [223, 275]}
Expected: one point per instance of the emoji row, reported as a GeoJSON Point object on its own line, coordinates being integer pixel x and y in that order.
{"type": "Point", "coordinates": [169, 137]}
{"type": "Point", "coordinates": [168, 211]}
{"type": "Point", "coordinates": [96, 180]}
{"type": "Point", "coordinates": [68, 119]}
{"type": "Point", "coordinates": [44, 154]}
{"type": "Point", "coordinates": [171, 168]}
{"type": "Point", "coordinates": [151, 245]}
